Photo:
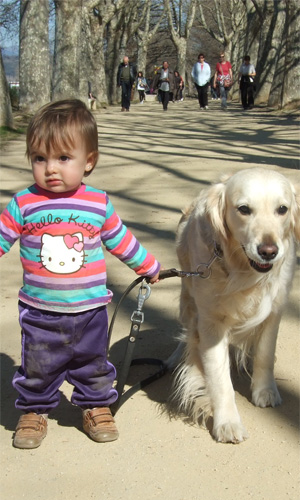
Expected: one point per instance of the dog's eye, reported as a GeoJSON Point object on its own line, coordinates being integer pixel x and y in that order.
{"type": "Point", "coordinates": [244, 210]}
{"type": "Point", "coordinates": [282, 210]}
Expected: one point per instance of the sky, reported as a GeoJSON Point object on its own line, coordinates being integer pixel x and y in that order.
{"type": "Point", "coordinates": [9, 37]}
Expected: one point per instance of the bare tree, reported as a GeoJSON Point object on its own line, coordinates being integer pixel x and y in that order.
{"type": "Point", "coordinates": [116, 41]}
{"type": "Point", "coordinates": [9, 20]}
{"type": "Point", "coordinates": [152, 17]}
{"type": "Point", "coordinates": [34, 61]}
{"type": "Point", "coordinates": [226, 22]}
{"type": "Point", "coordinates": [277, 65]}
{"type": "Point", "coordinates": [290, 60]}
{"type": "Point", "coordinates": [67, 49]}
{"type": "Point", "coordinates": [6, 117]}
{"type": "Point", "coordinates": [180, 17]}
{"type": "Point", "coordinates": [96, 60]}
{"type": "Point", "coordinates": [127, 21]}
{"type": "Point", "coordinates": [101, 13]}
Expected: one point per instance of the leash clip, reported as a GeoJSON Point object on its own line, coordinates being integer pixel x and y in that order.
{"type": "Point", "coordinates": [144, 294]}
{"type": "Point", "coordinates": [204, 270]}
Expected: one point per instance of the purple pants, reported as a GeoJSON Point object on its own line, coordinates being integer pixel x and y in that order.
{"type": "Point", "coordinates": [58, 347]}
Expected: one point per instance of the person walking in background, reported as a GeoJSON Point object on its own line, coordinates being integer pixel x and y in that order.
{"type": "Point", "coordinates": [181, 89]}
{"type": "Point", "coordinates": [223, 78]}
{"type": "Point", "coordinates": [141, 85]}
{"type": "Point", "coordinates": [125, 79]}
{"type": "Point", "coordinates": [213, 91]}
{"type": "Point", "coordinates": [247, 74]}
{"type": "Point", "coordinates": [164, 80]}
{"type": "Point", "coordinates": [91, 97]}
{"type": "Point", "coordinates": [201, 77]}
{"type": "Point", "coordinates": [178, 82]}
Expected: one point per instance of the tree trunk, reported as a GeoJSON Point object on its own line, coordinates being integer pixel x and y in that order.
{"type": "Point", "coordinates": [114, 57]}
{"type": "Point", "coordinates": [96, 70]}
{"type": "Point", "coordinates": [181, 34]}
{"type": "Point", "coordinates": [34, 73]}
{"type": "Point", "coordinates": [291, 95]}
{"type": "Point", "coordinates": [285, 86]}
{"type": "Point", "coordinates": [181, 45]}
{"type": "Point", "coordinates": [142, 57]}
{"type": "Point", "coordinates": [145, 34]}
{"type": "Point", "coordinates": [68, 52]}
{"type": "Point", "coordinates": [270, 43]}
{"type": "Point", "coordinates": [6, 116]}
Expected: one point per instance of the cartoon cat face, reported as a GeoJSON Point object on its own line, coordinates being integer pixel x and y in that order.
{"type": "Point", "coordinates": [62, 254]}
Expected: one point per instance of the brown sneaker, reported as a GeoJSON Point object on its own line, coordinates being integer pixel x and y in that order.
{"type": "Point", "coordinates": [100, 425]}
{"type": "Point", "coordinates": [30, 431]}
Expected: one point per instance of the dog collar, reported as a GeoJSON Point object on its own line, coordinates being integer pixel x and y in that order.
{"type": "Point", "coordinates": [203, 269]}
{"type": "Point", "coordinates": [218, 252]}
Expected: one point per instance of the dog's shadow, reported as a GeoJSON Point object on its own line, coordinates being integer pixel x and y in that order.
{"type": "Point", "coordinates": [161, 390]}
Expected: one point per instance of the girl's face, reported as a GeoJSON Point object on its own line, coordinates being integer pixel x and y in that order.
{"type": "Point", "coordinates": [61, 170]}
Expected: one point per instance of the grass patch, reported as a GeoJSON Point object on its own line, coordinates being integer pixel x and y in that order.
{"type": "Point", "coordinates": [21, 121]}
{"type": "Point", "coordinates": [8, 134]}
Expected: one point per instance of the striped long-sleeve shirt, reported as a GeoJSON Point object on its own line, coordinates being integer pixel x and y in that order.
{"type": "Point", "coordinates": [61, 247]}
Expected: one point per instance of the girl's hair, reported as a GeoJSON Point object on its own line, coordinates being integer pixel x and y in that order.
{"type": "Point", "coordinates": [201, 55]}
{"type": "Point", "coordinates": [140, 73]}
{"type": "Point", "coordinates": [57, 124]}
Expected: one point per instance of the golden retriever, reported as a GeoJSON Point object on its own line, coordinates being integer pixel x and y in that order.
{"type": "Point", "coordinates": [245, 228]}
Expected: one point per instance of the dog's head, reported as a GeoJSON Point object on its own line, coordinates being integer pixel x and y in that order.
{"type": "Point", "coordinates": [258, 209]}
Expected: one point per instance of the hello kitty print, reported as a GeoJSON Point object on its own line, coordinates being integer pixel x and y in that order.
{"type": "Point", "coordinates": [62, 254]}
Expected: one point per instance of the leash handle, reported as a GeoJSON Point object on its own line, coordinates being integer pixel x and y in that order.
{"type": "Point", "coordinates": [168, 273]}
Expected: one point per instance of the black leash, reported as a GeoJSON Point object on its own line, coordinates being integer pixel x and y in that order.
{"type": "Point", "coordinates": [165, 273]}
{"type": "Point", "coordinates": [137, 319]}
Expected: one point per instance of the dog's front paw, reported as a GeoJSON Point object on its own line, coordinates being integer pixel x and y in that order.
{"type": "Point", "coordinates": [266, 397]}
{"type": "Point", "coordinates": [230, 433]}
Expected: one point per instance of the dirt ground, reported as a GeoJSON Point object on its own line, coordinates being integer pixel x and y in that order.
{"type": "Point", "coordinates": [153, 164]}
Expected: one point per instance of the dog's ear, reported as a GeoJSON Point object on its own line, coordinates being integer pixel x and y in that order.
{"type": "Point", "coordinates": [214, 204]}
{"type": "Point", "coordinates": [296, 212]}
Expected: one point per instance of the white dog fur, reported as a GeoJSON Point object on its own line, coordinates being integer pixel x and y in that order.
{"type": "Point", "coordinates": [253, 220]}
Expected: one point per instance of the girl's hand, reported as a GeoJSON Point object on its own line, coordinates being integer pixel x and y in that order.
{"type": "Point", "coordinates": [155, 279]}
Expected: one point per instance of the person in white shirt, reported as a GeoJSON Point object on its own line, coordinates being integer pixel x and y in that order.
{"type": "Point", "coordinates": [247, 85]}
{"type": "Point", "coordinates": [201, 76]}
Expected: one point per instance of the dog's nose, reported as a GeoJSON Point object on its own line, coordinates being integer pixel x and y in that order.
{"type": "Point", "coordinates": [267, 252]}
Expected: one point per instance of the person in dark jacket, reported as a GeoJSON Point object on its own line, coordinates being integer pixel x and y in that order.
{"type": "Point", "coordinates": [164, 80]}
{"type": "Point", "coordinates": [125, 79]}
{"type": "Point", "coordinates": [247, 75]}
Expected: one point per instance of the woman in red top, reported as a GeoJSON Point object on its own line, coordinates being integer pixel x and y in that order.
{"type": "Point", "coordinates": [223, 72]}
